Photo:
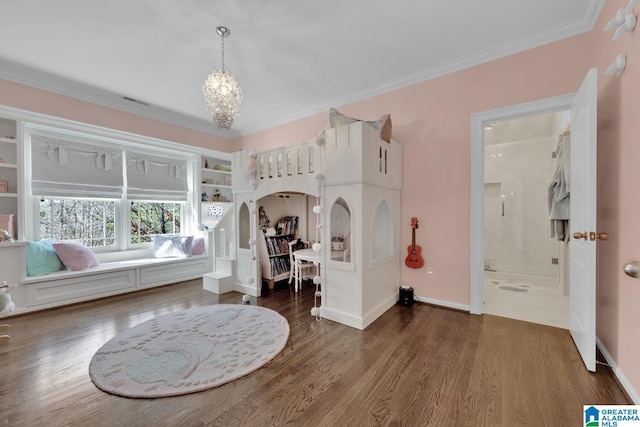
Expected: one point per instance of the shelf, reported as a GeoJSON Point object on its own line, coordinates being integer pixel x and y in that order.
{"type": "Point", "coordinates": [9, 140]}
{"type": "Point", "coordinates": [215, 185]}
{"type": "Point", "coordinates": [9, 165]}
{"type": "Point", "coordinates": [9, 195]}
{"type": "Point", "coordinates": [205, 170]}
{"type": "Point", "coordinates": [15, 243]}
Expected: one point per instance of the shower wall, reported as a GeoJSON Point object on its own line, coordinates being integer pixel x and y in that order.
{"type": "Point", "coordinates": [517, 227]}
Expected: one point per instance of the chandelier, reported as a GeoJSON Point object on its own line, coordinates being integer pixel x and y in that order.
{"type": "Point", "coordinates": [222, 92]}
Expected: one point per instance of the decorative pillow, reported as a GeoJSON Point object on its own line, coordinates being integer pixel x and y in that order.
{"type": "Point", "coordinates": [197, 247]}
{"type": "Point", "coordinates": [383, 124]}
{"type": "Point", "coordinates": [42, 258]}
{"type": "Point", "coordinates": [75, 256]}
{"type": "Point", "coordinates": [170, 245]}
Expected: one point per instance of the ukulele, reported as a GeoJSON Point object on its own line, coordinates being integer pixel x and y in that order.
{"type": "Point", "coordinates": [414, 259]}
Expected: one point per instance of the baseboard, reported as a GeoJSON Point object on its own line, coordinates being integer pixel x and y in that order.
{"type": "Point", "coordinates": [246, 289]}
{"type": "Point", "coordinates": [341, 317]}
{"type": "Point", "coordinates": [448, 304]}
{"type": "Point", "coordinates": [370, 317]}
{"type": "Point", "coordinates": [624, 382]}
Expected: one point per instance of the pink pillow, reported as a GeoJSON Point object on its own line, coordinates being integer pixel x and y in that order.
{"type": "Point", "coordinates": [197, 248]}
{"type": "Point", "coordinates": [75, 256]}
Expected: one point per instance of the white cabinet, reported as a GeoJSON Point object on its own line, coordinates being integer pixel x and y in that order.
{"type": "Point", "coordinates": [9, 169]}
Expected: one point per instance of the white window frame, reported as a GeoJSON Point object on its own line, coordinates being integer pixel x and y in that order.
{"type": "Point", "coordinates": [30, 204]}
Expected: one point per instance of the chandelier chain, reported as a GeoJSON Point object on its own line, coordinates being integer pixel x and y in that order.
{"type": "Point", "coordinates": [223, 52]}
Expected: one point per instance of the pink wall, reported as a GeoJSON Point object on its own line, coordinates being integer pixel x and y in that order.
{"type": "Point", "coordinates": [40, 101]}
{"type": "Point", "coordinates": [431, 120]}
{"type": "Point", "coordinates": [618, 202]}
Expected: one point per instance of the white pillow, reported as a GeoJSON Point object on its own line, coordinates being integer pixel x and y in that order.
{"type": "Point", "coordinates": [171, 245]}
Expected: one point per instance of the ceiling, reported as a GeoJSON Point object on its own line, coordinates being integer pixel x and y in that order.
{"type": "Point", "coordinates": [292, 58]}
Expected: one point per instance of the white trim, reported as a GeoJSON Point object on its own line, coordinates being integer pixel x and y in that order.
{"type": "Point", "coordinates": [22, 74]}
{"type": "Point", "coordinates": [29, 76]}
{"type": "Point", "coordinates": [478, 120]}
{"type": "Point", "coordinates": [378, 311]}
{"type": "Point", "coordinates": [587, 21]}
{"type": "Point", "coordinates": [446, 304]}
{"type": "Point", "coordinates": [624, 382]}
{"type": "Point", "coordinates": [342, 317]}
{"type": "Point", "coordinates": [59, 125]}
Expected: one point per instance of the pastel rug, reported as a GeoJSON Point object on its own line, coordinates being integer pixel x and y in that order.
{"type": "Point", "coordinates": [511, 286]}
{"type": "Point", "coordinates": [189, 351]}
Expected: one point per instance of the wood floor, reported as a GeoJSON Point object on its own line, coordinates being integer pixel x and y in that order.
{"type": "Point", "coordinates": [414, 366]}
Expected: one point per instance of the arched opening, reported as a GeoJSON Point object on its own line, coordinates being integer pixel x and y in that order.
{"type": "Point", "coordinates": [244, 227]}
{"type": "Point", "coordinates": [341, 230]}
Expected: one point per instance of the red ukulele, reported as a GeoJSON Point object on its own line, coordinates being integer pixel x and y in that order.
{"type": "Point", "coordinates": [414, 259]}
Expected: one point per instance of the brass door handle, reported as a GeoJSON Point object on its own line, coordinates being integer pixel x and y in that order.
{"type": "Point", "coordinates": [600, 236]}
{"type": "Point", "coordinates": [582, 235]}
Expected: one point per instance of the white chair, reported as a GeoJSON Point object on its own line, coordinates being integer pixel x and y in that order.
{"type": "Point", "coordinates": [300, 270]}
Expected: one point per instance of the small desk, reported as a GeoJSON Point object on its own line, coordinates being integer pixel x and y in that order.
{"type": "Point", "coordinates": [304, 255]}
{"type": "Point", "coordinates": [311, 256]}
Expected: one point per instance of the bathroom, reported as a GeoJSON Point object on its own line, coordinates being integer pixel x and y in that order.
{"type": "Point", "coordinates": [526, 274]}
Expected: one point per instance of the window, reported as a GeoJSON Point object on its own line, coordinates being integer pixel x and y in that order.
{"type": "Point", "coordinates": [107, 193]}
{"type": "Point", "coordinates": [151, 218]}
{"type": "Point", "coordinates": [91, 222]}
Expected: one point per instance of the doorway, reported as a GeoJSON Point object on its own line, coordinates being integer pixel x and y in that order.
{"type": "Point", "coordinates": [525, 269]}
{"type": "Point", "coordinates": [478, 189]}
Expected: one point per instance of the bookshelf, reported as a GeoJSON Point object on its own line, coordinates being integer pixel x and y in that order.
{"type": "Point", "coordinates": [274, 251]}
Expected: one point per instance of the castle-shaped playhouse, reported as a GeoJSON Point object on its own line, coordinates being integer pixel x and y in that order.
{"type": "Point", "coordinates": [351, 175]}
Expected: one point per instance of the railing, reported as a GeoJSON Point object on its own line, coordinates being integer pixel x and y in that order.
{"type": "Point", "coordinates": [287, 161]}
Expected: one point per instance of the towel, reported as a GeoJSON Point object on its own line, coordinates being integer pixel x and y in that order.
{"type": "Point", "coordinates": [558, 194]}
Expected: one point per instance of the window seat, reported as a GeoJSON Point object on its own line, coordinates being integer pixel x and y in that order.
{"type": "Point", "coordinates": [109, 266]}
{"type": "Point", "coordinates": [109, 278]}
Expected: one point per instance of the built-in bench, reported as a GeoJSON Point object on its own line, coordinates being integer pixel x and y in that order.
{"type": "Point", "coordinates": [109, 278]}
{"type": "Point", "coordinates": [118, 272]}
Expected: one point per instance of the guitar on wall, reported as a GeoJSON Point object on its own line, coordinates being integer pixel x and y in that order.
{"type": "Point", "coordinates": [414, 259]}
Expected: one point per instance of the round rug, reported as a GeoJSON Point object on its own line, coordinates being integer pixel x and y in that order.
{"type": "Point", "coordinates": [189, 351]}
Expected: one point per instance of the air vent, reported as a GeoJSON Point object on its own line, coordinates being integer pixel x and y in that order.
{"type": "Point", "coordinates": [136, 101]}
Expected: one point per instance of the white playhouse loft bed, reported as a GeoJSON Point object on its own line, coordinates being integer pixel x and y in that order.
{"type": "Point", "coordinates": [351, 163]}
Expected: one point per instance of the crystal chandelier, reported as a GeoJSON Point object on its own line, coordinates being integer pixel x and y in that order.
{"type": "Point", "coordinates": [222, 92]}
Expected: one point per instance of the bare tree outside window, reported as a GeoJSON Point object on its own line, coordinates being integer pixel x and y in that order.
{"type": "Point", "coordinates": [92, 222]}
{"type": "Point", "coordinates": [151, 218]}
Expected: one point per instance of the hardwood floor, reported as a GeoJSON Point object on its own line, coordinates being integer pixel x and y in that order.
{"type": "Point", "coordinates": [414, 366]}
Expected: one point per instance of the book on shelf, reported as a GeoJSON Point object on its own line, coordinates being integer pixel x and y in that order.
{"type": "Point", "coordinates": [278, 245]}
{"type": "Point", "coordinates": [280, 266]}
{"type": "Point", "coordinates": [287, 225]}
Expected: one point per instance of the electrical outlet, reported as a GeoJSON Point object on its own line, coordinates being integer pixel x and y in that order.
{"type": "Point", "coordinates": [554, 261]}
{"type": "Point", "coordinates": [430, 272]}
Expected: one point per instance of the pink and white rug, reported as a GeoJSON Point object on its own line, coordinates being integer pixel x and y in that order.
{"type": "Point", "coordinates": [189, 351]}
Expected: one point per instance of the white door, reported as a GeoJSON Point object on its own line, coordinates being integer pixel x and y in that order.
{"type": "Point", "coordinates": [582, 303]}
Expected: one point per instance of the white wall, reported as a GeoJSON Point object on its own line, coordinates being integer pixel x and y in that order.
{"type": "Point", "coordinates": [517, 174]}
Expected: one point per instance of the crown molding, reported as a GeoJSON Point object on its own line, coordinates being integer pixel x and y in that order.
{"type": "Point", "coordinates": [39, 79]}
{"type": "Point", "coordinates": [585, 23]}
